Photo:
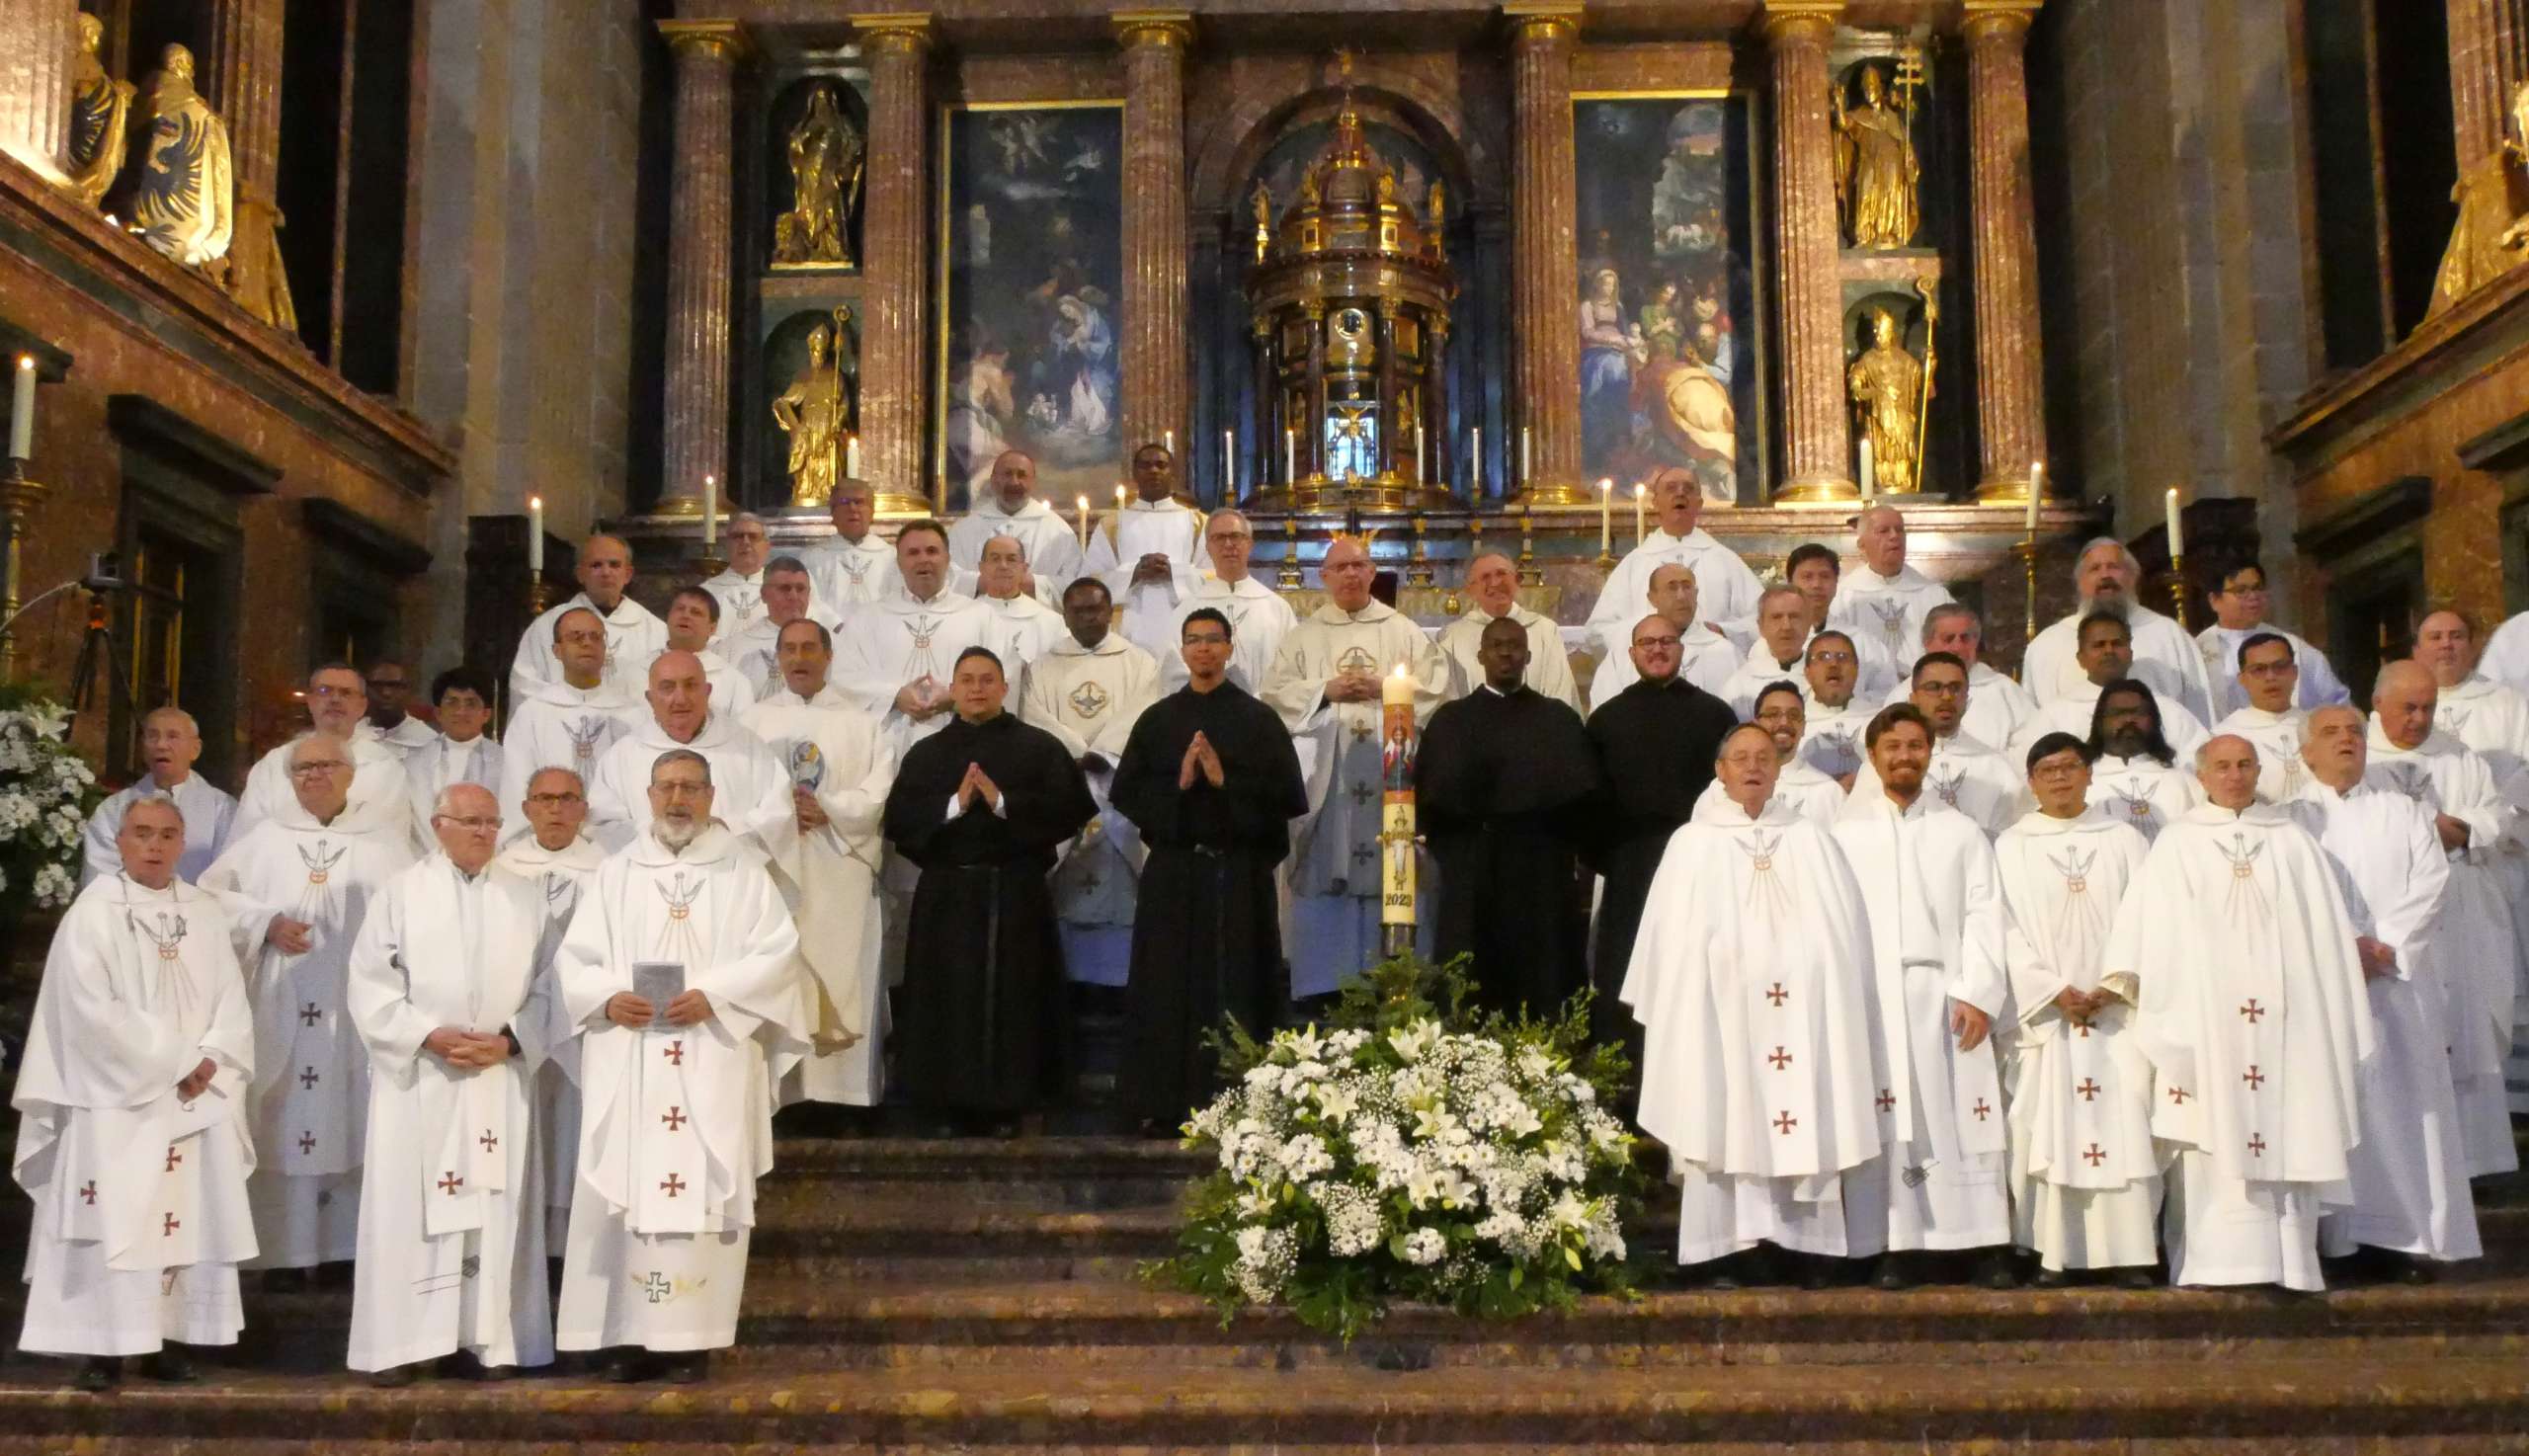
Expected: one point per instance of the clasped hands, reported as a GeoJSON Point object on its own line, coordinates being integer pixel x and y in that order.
{"type": "Point", "coordinates": [1200, 758]}
{"type": "Point", "coordinates": [2378, 959]}
{"type": "Point", "coordinates": [633, 1013]}
{"type": "Point", "coordinates": [196, 1081]}
{"type": "Point", "coordinates": [1352, 688]}
{"type": "Point", "coordinates": [977, 790]}
{"type": "Point", "coordinates": [473, 1050]}
{"type": "Point", "coordinates": [921, 697]}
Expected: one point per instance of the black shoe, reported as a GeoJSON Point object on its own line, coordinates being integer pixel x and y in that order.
{"type": "Point", "coordinates": [689, 1368]}
{"type": "Point", "coordinates": [2393, 1268]}
{"type": "Point", "coordinates": [2137, 1277]}
{"type": "Point", "coordinates": [625, 1367]}
{"type": "Point", "coordinates": [1718, 1274]}
{"type": "Point", "coordinates": [395, 1377]}
{"type": "Point", "coordinates": [1890, 1273]}
{"type": "Point", "coordinates": [2046, 1278]}
{"type": "Point", "coordinates": [455, 1365]}
{"type": "Point", "coordinates": [172, 1365]}
{"type": "Point", "coordinates": [493, 1374]}
{"type": "Point", "coordinates": [97, 1374]}
{"type": "Point", "coordinates": [284, 1282]}
{"type": "Point", "coordinates": [1817, 1271]}
{"type": "Point", "coordinates": [1995, 1270]}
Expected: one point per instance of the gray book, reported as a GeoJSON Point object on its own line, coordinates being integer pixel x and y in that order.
{"type": "Point", "coordinates": [658, 981]}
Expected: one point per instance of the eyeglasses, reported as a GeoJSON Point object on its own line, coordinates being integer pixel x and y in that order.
{"type": "Point", "coordinates": [1209, 639]}
{"type": "Point", "coordinates": [1659, 641]}
{"type": "Point", "coordinates": [1843, 658]}
{"type": "Point", "coordinates": [2269, 669]}
{"type": "Point", "coordinates": [1943, 689]}
{"type": "Point", "coordinates": [316, 766]}
{"type": "Point", "coordinates": [671, 789]}
{"type": "Point", "coordinates": [477, 823]}
{"type": "Point", "coordinates": [339, 692]}
{"type": "Point", "coordinates": [555, 801]}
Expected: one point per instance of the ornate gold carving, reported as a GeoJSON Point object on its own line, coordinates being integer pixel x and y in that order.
{"type": "Point", "coordinates": [2489, 238]}
{"type": "Point", "coordinates": [1887, 384]}
{"type": "Point", "coordinates": [816, 413]}
{"type": "Point", "coordinates": [1877, 173]}
{"type": "Point", "coordinates": [722, 39]}
{"type": "Point", "coordinates": [826, 155]}
{"type": "Point", "coordinates": [99, 106]}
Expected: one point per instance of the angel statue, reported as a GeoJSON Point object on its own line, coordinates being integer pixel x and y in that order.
{"type": "Point", "coordinates": [825, 183]}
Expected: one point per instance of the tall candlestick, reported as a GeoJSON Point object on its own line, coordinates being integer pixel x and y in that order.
{"type": "Point", "coordinates": [1120, 517]}
{"type": "Point", "coordinates": [1606, 517]}
{"type": "Point", "coordinates": [2036, 492]}
{"type": "Point", "coordinates": [1395, 811]}
{"type": "Point", "coordinates": [22, 410]}
{"type": "Point", "coordinates": [1869, 474]}
{"type": "Point", "coordinates": [1641, 510]}
{"type": "Point", "coordinates": [1083, 515]}
{"type": "Point", "coordinates": [710, 513]}
{"type": "Point", "coordinates": [535, 535]}
{"type": "Point", "coordinates": [2178, 543]}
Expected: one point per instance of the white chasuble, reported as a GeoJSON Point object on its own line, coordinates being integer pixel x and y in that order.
{"type": "Point", "coordinates": [1804, 790]}
{"type": "Point", "coordinates": [451, 1222]}
{"type": "Point", "coordinates": [309, 1103]}
{"type": "Point", "coordinates": [2220, 645]}
{"type": "Point", "coordinates": [1549, 666]}
{"type": "Point", "coordinates": [560, 875]}
{"type": "Point", "coordinates": [141, 1209]}
{"type": "Point", "coordinates": [443, 761]}
{"type": "Point", "coordinates": [2086, 1176]}
{"type": "Point", "coordinates": [633, 635]}
{"type": "Point", "coordinates": [1259, 620]}
{"type": "Point", "coordinates": [897, 640]}
{"type": "Point", "coordinates": [2075, 708]}
{"type": "Point", "coordinates": [1118, 542]}
{"type": "Point", "coordinates": [2143, 793]}
{"type": "Point", "coordinates": [209, 817]}
{"type": "Point", "coordinates": [676, 1121]}
{"type": "Point", "coordinates": [1021, 629]}
{"type": "Point", "coordinates": [2165, 657]}
{"type": "Point", "coordinates": [2276, 737]}
{"type": "Point", "coordinates": [378, 777]}
{"type": "Point", "coordinates": [560, 727]}
{"type": "Point", "coordinates": [1964, 775]}
{"type": "Point", "coordinates": [1889, 611]}
{"type": "Point", "coordinates": [741, 599]}
{"type": "Point", "coordinates": [750, 787]}
{"type": "Point", "coordinates": [1052, 544]}
{"type": "Point", "coordinates": [738, 669]}
{"type": "Point", "coordinates": [845, 574]}
{"type": "Point", "coordinates": [1725, 591]}
{"type": "Point", "coordinates": [2494, 721]}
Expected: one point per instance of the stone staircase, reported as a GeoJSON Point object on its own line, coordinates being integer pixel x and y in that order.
{"type": "Point", "coordinates": [917, 1297]}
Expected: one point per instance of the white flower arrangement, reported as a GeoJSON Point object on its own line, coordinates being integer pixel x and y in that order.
{"type": "Point", "coordinates": [46, 791]}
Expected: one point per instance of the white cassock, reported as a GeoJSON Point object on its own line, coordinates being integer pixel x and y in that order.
{"type": "Point", "coordinates": [1808, 794]}
{"type": "Point", "coordinates": [2142, 791]}
{"type": "Point", "coordinates": [560, 727]}
{"type": "Point", "coordinates": [741, 599]}
{"type": "Point", "coordinates": [1757, 670]}
{"type": "Point", "coordinates": [1965, 776]}
{"type": "Point", "coordinates": [1259, 619]}
{"type": "Point", "coordinates": [1831, 739]}
{"type": "Point", "coordinates": [409, 736]}
{"type": "Point", "coordinates": [140, 1212]}
{"type": "Point", "coordinates": [2254, 1019]}
{"type": "Point", "coordinates": [895, 640]}
{"type": "Point", "coordinates": [1020, 629]}
{"type": "Point", "coordinates": [1170, 528]}
{"type": "Point", "coordinates": [829, 880]}
{"type": "Point", "coordinates": [1709, 657]}
{"type": "Point", "coordinates": [1887, 609]}
{"type": "Point", "coordinates": [845, 574]}
{"type": "Point", "coordinates": [737, 666]}
{"type": "Point", "coordinates": [309, 1107]}
{"type": "Point", "coordinates": [1999, 709]}
{"type": "Point", "coordinates": [560, 874]}
{"type": "Point", "coordinates": [2075, 708]}
{"type": "Point", "coordinates": [750, 787]}
{"type": "Point", "coordinates": [1051, 542]}
{"type": "Point", "coordinates": [2409, 1173]}
{"type": "Point", "coordinates": [1725, 591]}
{"type": "Point", "coordinates": [378, 773]}
{"type": "Point", "coordinates": [444, 762]}
{"type": "Point", "coordinates": [2085, 1179]}
{"type": "Point", "coordinates": [676, 1123]}
{"type": "Point", "coordinates": [1334, 869]}
{"type": "Point", "coordinates": [2165, 657]}
{"type": "Point", "coordinates": [210, 815]}
{"type": "Point", "coordinates": [2220, 645]}
{"type": "Point", "coordinates": [633, 635]}
{"type": "Point", "coordinates": [452, 1220]}
{"type": "Point", "coordinates": [2494, 721]}
{"type": "Point", "coordinates": [2476, 942]}
{"type": "Point", "coordinates": [1751, 977]}
{"type": "Point", "coordinates": [2507, 654]}
{"type": "Point", "coordinates": [1935, 924]}
{"type": "Point", "coordinates": [1089, 698]}
{"type": "Point", "coordinates": [1549, 666]}
{"type": "Point", "coordinates": [2276, 737]}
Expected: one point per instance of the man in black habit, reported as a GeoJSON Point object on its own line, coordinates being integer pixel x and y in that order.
{"type": "Point", "coordinates": [979, 807]}
{"type": "Point", "coordinates": [1210, 779]}
{"type": "Point", "coordinates": [1656, 741]}
{"type": "Point", "coordinates": [1503, 786]}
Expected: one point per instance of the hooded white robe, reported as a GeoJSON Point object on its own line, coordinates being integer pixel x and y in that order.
{"type": "Point", "coordinates": [1831, 739]}
{"type": "Point", "coordinates": [378, 773]}
{"type": "Point", "coordinates": [560, 727]}
{"type": "Point", "coordinates": [1810, 794]}
{"type": "Point", "coordinates": [1259, 620]}
{"type": "Point", "coordinates": [2143, 793]}
{"type": "Point", "coordinates": [2494, 721]}
{"type": "Point", "coordinates": [1964, 775]}
{"type": "Point", "coordinates": [1708, 656]}
{"type": "Point", "coordinates": [210, 816]}
{"type": "Point", "coordinates": [1020, 630]}
{"type": "Point", "coordinates": [633, 635]}
{"type": "Point", "coordinates": [2165, 657]}
{"type": "Point", "coordinates": [1888, 609]}
{"type": "Point", "coordinates": [560, 874]}
{"type": "Point", "coordinates": [444, 762]}
{"type": "Point", "coordinates": [2076, 705]}
{"type": "Point", "coordinates": [2281, 772]}
{"type": "Point", "coordinates": [1120, 539]}
{"type": "Point", "coordinates": [735, 667]}
{"type": "Point", "coordinates": [1999, 710]}
{"type": "Point", "coordinates": [895, 640]}
{"type": "Point", "coordinates": [1549, 666]}
{"type": "Point", "coordinates": [1725, 591]}
{"type": "Point", "coordinates": [845, 574]}
{"type": "Point", "coordinates": [2318, 687]}
{"type": "Point", "coordinates": [750, 787]}
{"type": "Point", "coordinates": [1051, 542]}
{"type": "Point", "coordinates": [741, 599]}
{"type": "Point", "coordinates": [1759, 669]}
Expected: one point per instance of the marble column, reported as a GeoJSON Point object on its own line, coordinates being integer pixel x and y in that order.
{"type": "Point", "coordinates": [1545, 272]}
{"type": "Point", "coordinates": [1817, 422]}
{"type": "Point", "coordinates": [2011, 385]}
{"type": "Point", "coordinates": [1155, 289]}
{"type": "Point", "coordinates": [695, 428]}
{"type": "Point", "coordinates": [36, 37]}
{"type": "Point", "coordinates": [894, 254]}
{"type": "Point", "coordinates": [2486, 63]}
{"type": "Point", "coordinates": [241, 78]}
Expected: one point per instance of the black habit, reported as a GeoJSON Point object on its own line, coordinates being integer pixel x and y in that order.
{"type": "Point", "coordinates": [978, 1010]}
{"type": "Point", "coordinates": [1503, 786]}
{"type": "Point", "coordinates": [1207, 941]}
{"type": "Point", "coordinates": [1655, 743]}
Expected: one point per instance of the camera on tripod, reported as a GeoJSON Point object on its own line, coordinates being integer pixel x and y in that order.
{"type": "Point", "coordinates": [105, 573]}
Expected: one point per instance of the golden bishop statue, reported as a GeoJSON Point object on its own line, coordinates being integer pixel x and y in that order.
{"type": "Point", "coordinates": [2488, 238]}
{"type": "Point", "coordinates": [1876, 170]}
{"type": "Point", "coordinates": [183, 198]}
{"type": "Point", "coordinates": [1886, 384]}
{"type": "Point", "coordinates": [816, 413]}
{"type": "Point", "coordinates": [825, 181]}
{"type": "Point", "coordinates": [99, 106]}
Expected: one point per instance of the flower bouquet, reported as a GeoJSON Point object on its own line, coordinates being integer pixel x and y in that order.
{"type": "Point", "coordinates": [47, 792]}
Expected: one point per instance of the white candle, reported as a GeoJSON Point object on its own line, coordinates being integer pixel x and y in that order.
{"type": "Point", "coordinates": [710, 511]}
{"type": "Point", "coordinates": [1082, 519]}
{"type": "Point", "coordinates": [1869, 474]}
{"type": "Point", "coordinates": [851, 457]}
{"type": "Point", "coordinates": [1641, 510]}
{"type": "Point", "coordinates": [1290, 456]}
{"type": "Point", "coordinates": [1171, 438]}
{"type": "Point", "coordinates": [22, 410]}
{"type": "Point", "coordinates": [1606, 517]}
{"type": "Point", "coordinates": [2178, 543]}
{"type": "Point", "coordinates": [1229, 465]}
{"type": "Point", "coordinates": [1119, 513]}
{"type": "Point", "coordinates": [1527, 460]}
{"type": "Point", "coordinates": [2036, 492]}
{"type": "Point", "coordinates": [535, 535]}
{"type": "Point", "coordinates": [1475, 459]}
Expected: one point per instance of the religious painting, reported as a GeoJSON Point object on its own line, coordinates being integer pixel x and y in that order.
{"type": "Point", "coordinates": [1030, 283]}
{"type": "Point", "coordinates": [1671, 352]}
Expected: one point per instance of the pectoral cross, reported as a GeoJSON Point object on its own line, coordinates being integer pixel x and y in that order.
{"type": "Point", "coordinates": [173, 1157]}
{"type": "Point", "coordinates": [1785, 1123]}
{"type": "Point", "coordinates": [1779, 1058]}
{"type": "Point", "coordinates": [309, 1015]}
{"type": "Point", "coordinates": [488, 1140]}
{"type": "Point", "coordinates": [673, 1186]}
{"type": "Point", "coordinates": [2089, 1090]}
{"type": "Point", "coordinates": [308, 1078]}
{"type": "Point", "coordinates": [450, 1183]}
{"type": "Point", "coordinates": [675, 1118]}
{"type": "Point", "coordinates": [88, 1193]}
{"type": "Point", "coordinates": [306, 1143]}
{"type": "Point", "coordinates": [2253, 1077]}
{"type": "Point", "coordinates": [2095, 1154]}
{"type": "Point", "coordinates": [675, 1053]}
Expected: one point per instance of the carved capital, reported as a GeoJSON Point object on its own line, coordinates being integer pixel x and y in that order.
{"type": "Point", "coordinates": [707, 39]}
{"type": "Point", "coordinates": [1159, 28]}
{"type": "Point", "coordinates": [1794, 23]}
{"type": "Point", "coordinates": [1542, 22]}
{"type": "Point", "coordinates": [895, 31]}
{"type": "Point", "coordinates": [1993, 21]}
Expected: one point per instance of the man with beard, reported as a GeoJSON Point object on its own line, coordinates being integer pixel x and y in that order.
{"type": "Point", "coordinates": [572, 720]}
{"type": "Point", "coordinates": [750, 787]}
{"type": "Point", "coordinates": [1964, 774]}
{"type": "Point", "coordinates": [1210, 781]}
{"type": "Point", "coordinates": [1837, 713]}
{"type": "Point", "coordinates": [633, 635]}
{"type": "Point", "coordinates": [2238, 614]}
{"type": "Point", "coordinates": [1504, 780]}
{"type": "Point", "coordinates": [2270, 677]}
{"type": "Point", "coordinates": [1814, 796]}
{"type": "Point", "coordinates": [1729, 589]}
{"type": "Point", "coordinates": [1884, 598]}
{"type": "Point", "coordinates": [1010, 508]}
{"type": "Point", "coordinates": [2135, 776]}
{"type": "Point", "coordinates": [560, 861]}
{"type": "Point", "coordinates": [2107, 655]}
{"type": "Point", "coordinates": [1999, 709]}
{"type": "Point", "coordinates": [1706, 656]}
{"type": "Point", "coordinates": [2165, 656]}
{"type": "Point", "coordinates": [1493, 583]}
{"type": "Point", "coordinates": [1258, 618]}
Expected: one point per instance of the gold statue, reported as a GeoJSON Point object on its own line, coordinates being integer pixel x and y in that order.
{"type": "Point", "coordinates": [1876, 170]}
{"type": "Point", "coordinates": [824, 182]}
{"type": "Point", "coordinates": [816, 413]}
{"type": "Point", "coordinates": [183, 198]}
{"type": "Point", "coordinates": [2488, 238]}
{"type": "Point", "coordinates": [1436, 211]}
{"type": "Point", "coordinates": [1262, 200]}
{"type": "Point", "coordinates": [100, 105]}
{"type": "Point", "coordinates": [1887, 384]}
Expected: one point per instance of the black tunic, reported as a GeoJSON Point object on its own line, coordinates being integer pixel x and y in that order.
{"type": "Point", "coordinates": [983, 966]}
{"type": "Point", "coordinates": [1501, 787]}
{"type": "Point", "coordinates": [1207, 941]}
{"type": "Point", "coordinates": [1655, 743]}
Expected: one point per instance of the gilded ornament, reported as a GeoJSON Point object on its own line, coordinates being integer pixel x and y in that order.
{"type": "Point", "coordinates": [826, 156]}
{"type": "Point", "coordinates": [816, 413]}
{"type": "Point", "coordinates": [100, 108]}
{"type": "Point", "coordinates": [2489, 238]}
{"type": "Point", "coordinates": [185, 195]}
{"type": "Point", "coordinates": [1886, 386]}
{"type": "Point", "coordinates": [1876, 169]}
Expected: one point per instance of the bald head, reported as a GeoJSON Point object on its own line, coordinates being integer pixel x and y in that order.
{"type": "Point", "coordinates": [2226, 767]}
{"type": "Point", "coordinates": [1347, 573]}
{"type": "Point", "coordinates": [1673, 593]}
{"type": "Point", "coordinates": [2403, 699]}
{"type": "Point", "coordinates": [1493, 583]}
{"type": "Point", "coordinates": [679, 694]}
{"type": "Point", "coordinates": [1879, 533]}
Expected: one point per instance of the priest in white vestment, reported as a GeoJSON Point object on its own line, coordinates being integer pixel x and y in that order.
{"type": "Point", "coordinates": [560, 861]}
{"type": "Point", "coordinates": [752, 786]}
{"type": "Point", "coordinates": [1138, 550]}
{"type": "Point", "coordinates": [2269, 676]}
{"type": "Point", "coordinates": [445, 993]}
{"type": "Point", "coordinates": [856, 564]}
{"type": "Point", "coordinates": [895, 653]}
{"type": "Point", "coordinates": [391, 686]}
{"type": "Point", "coordinates": [2239, 604]}
{"type": "Point", "coordinates": [2256, 1022]}
{"type": "Point", "coordinates": [2506, 655]}
{"type": "Point", "coordinates": [1935, 922]}
{"type": "Point", "coordinates": [739, 591]}
{"type": "Point", "coordinates": [1707, 655]}
{"type": "Point", "coordinates": [1750, 976]}
{"type": "Point", "coordinates": [2106, 656]}
{"type": "Point", "coordinates": [1493, 583]}
{"type": "Point", "coordinates": [1781, 712]}
{"type": "Point", "coordinates": [1966, 775]}
{"type": "Point", "coordinates": [298, 888]}
{"type": "Point", "coordinates": [694, 626]}
{"type": "Point", "coordinates": [2165, 656]}
{"type": "Point", "coordinates": [1999, 710]}
{"type": "Point", "coordinates": [754, 652]}
{"type": "Point", "coordinates": [1258, 618]}
{"type": "Point", "coordinates": [1087, 691]}
{"type": "Point", "coordinates": [1814, 571]}
{"type": "Point", "coordinates": [2476, 943]}
{"type": "Point", "coordinates": [1049, 546]}
{"type": "Point", "coordinates": [337, 704]}
{"type": "Point", "coordinates": [131, 1134]}
{"type": "Point", "coordinates": [1726, 588]}
{"type": "Point", "coordinates": [840, 770]}
{"type": "Point", "coordinates": [1883, 598]}
{"type": "Point", "coordinates": [1325, 683]}
{"type": "Point", "coordinates": [677, 1124]}
{"type": "Point", "coordinates": [170, 743]}
{"type": "Point", "coordinates": [1021, 629]}
{"type": "Point", "coordinates": [460, 752]}
{"type": "Point", "coordinates": [634, 635]}
{"type": "Point", "coordinates": [573, 720]}
{"type": "Point", "coordinates": [2086, 1177]}
{"type": "Point", "coordinates": [2136, 778]}
{"type": "Point", "coordinates": [1837, 713]}
{"type": "Point", "coordinates": [1780, 653]}
{"type": "Point", "coordinates": [2409, 1173]}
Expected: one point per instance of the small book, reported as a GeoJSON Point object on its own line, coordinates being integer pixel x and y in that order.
{"type": "Point", "coordinates": [658, 981]}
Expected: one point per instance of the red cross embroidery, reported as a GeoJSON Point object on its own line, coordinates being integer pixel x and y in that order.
{"type": "Point", "coordinates": [88, 1193]}
{"type": "Point", "coordinates": [2256, 1143]}
{"type": "Point", "coordinates": [674, 1120]}
{"type": "Point", "coordinates": [2253, 1077]}
{"type": "Point", "coordinates": [451, 1183]}
{"type": "Point", "coordinates": [2095, 1154]}
{"type": "Point", "coordinates": [173, 1157]}
{"type": "Point", "coordinates": [675, 1053]}
{"type": "Point", "coordinates": [308, 1079]}
{"type": "Point", "coordinates": [673, 1186]}
{"type": "Point", "coordinates": [488, 1140]}
{"type": "Point", "coordinates": [2177, 1094]}
{"type": "Point", "coordinates": [306, 1142]}
{"type": "Point", "coordinates": [2089, 1090]}
{"type": "Point", "coordinates": [2081, 1024]}
{"type": "Point", "coordinates": [2252, 1012]}
{"type": "Point", "coordinates": [167, 1229]}
{"type": "Point", "coordinates": [1980, 1111]}
{"type": "Point", "coordinates": [1780, 1059]}
{"type": "Point", "coordinates": [308, 1014]}
{"type": "Point", "coordinates": [1777, 996]}
{"type": "Point", "coordinates": [1886, 1100]}
{"type": "Point", "coordinates": [1785, 1123]}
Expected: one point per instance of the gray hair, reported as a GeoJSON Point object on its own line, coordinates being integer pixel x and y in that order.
{"type": "Point", "coordinates": [790, 564]}
{"type": "Point", "coordinates": [1943, 613]}
{"type": "Point", "coordinates": [1018, 541]}
{"type": "Point", "coordinates": [442, 803]}
{"type": "Point", "coordinates": [577, 781]}
{"type": "Point", "coordinates": [681, 756]}
{"type": "Point", "coordinates": [2206, 746]}
{"type": "Point", "coordinates": [159, 797]}
{"type": "Point", "coordinates": [823, 635]}
{"type": "Point", "coordinates": [2132, 564]}
{"type": "Point", "coordinates": [170, 711]}
{"type": "Point", "coordinates": [1770, 592]}
{"type": "Point", "coordinates": [2309, 720]}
